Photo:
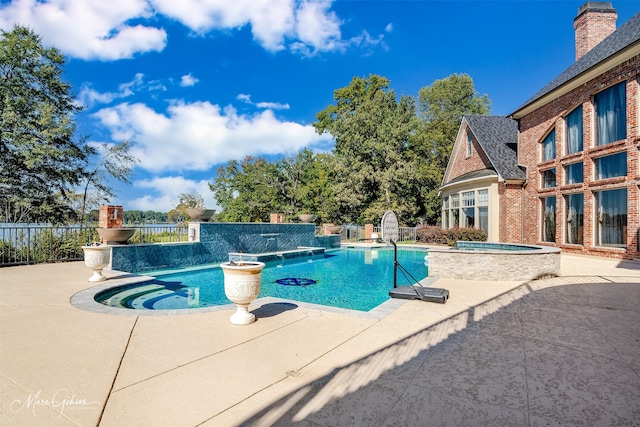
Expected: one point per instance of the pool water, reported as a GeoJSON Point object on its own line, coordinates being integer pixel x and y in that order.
{"type": "Point", "coordinates": [354, 278]}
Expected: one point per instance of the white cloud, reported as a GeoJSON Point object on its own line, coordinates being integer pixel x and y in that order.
{"type": "Point", "coordinates": [166, 193]}
{"type": "Point", "coordinates": [265, 105]}
{"type": "Point", "coordinates": [188, 80]}
{"type": "Point", "coordinates": [88, 29]}
{"type": "Point", "coordinates": [317, 27]}
{"type": "Point", "coordinates": [199, 135]}
{"type": "Point", "coordinates": [88, 96]}
{"type": "Point", "coordinates": [270, 20]}
{"type": "Point", "coordinates": [104, 30]}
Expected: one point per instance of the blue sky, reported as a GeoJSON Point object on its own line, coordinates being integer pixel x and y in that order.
{"type": "Point", "coordinates": [196, 83]}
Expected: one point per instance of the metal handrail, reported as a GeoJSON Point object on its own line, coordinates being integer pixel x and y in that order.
{"type": "Point", "coordinates": [33, 244]}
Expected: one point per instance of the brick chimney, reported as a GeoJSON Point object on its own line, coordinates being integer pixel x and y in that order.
{"type": "Point", "coordinates": [595, 21]}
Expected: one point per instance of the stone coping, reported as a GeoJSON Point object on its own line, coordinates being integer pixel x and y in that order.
{"type": "Point", "coordinates": [494, 264]}
{"type": "Point", "coordinates": [85, 300]}
{"type": "Point", "coordinates": [488, 247]}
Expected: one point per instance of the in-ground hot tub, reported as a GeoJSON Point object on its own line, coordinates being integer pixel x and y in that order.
{"type": "Point", "coordinates": [494, 261]}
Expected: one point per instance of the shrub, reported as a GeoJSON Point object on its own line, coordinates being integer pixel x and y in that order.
{"type": "Point", "coordinates": [435, 235]}
{"type": "Point", "coordinates": [465, 234]}
{"type": "Point", "coordinates": [431, 234]}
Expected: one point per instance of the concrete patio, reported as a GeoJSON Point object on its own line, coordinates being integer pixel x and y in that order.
{"type": "Point", "coordinates": [561, 351]}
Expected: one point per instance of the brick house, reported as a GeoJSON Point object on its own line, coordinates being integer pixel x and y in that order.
{"type": "Point", "coordinates": [562, 169]}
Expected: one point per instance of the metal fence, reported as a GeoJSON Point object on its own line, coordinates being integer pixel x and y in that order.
{"type": "Point", "coordinates": [32, 244]}
{"type": "Point", "coordinates": [353, 233]}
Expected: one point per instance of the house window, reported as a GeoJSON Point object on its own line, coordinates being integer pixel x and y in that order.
{"type": "Point", "coordinates": [611, 166]}
{"type": "Point", "coordinates": [611, 114]}
{"type": "Point", "coordinates": [483, 210]}
{"type": "Point", "coordinates": [468, 209]}
{"type": "Point", "coordinates": [549, 146]}
{"type": "Point", "coordinates": [549, 178]}
{"type": "Point", "coordinates": [574, 222]}
{"type": "Point", "coordinates": [469, 145]}
{"type": "Point", "coordinates": [455, 210]}
{"type": "Point", "coordinates": [549, 219]}
{"type": "Point", "coordinates": [574, 173]}
{"type": "Point", "coordinates": [574, 131]}
{"type": "Point", "coordinates": [611, 218]}
{"type": "Point", "coordinates": [445, 212]}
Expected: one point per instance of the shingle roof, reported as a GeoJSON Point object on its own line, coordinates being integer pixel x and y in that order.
{"type": "Point", "coordinates": [498, 137]}
{"type": "Point", "coordinates": [475, 174]}
{"type": "Point", "coordinates": [623, 37]}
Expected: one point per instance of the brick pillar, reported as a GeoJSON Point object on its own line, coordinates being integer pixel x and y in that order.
{"type": "Point", "coordinates": [368, 231]}
{"type": "Point", "coordinates": [275, 218]}
{"type": "Point", "coordinates": [110, 216]}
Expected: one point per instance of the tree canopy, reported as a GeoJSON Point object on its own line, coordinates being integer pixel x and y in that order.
{"type": "Point", "coordinates": [39, 160]}
{"type": "Point", "coordinates": [390, 153]}
{"type": "Point", "coordinates": [374, 169]}
{"type": "Point", "coordinates": [254, 188]}
{"type": "Point", "coordinates": [440, 110]}
{"type": "Point", "coordinates": [185, 201]}
{"type": "Point", "coordinates": [42, 165]}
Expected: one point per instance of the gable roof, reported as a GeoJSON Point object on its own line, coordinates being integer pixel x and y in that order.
{"type": "Point", "coordinates": [620, 45]}
{"type": "Point", "coordinates": [482, 173]}
{"type": "Point", "coordinates": [498, 138]}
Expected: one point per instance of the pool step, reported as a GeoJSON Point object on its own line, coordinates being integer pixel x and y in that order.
{"type": "Point", "coordinates": [140, 301]}
{"type": "Point", "coordinates": [139, 296]}
{"type": "Point", "coordinates": [123, 297]}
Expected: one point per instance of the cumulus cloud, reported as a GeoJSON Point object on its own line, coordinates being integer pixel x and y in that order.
{"type": "Point", "coordinates": [270, 20]}
{"type": "Point", "coordinates": [197, 136]}
{"type": "Point", "coordinates": [163, 193]}
{"type": "Point", "coordinates": [188, 80]}
{"type": "Point", "coordinates": [88, 29]}
{"type": "Point", "coordinates": [105, 30]}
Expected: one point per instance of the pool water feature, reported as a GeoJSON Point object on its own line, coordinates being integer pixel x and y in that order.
{"type": "Point", "coordinates": [354, 278]}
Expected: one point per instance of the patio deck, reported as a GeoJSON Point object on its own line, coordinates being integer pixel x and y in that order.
{"type": "Point", "coordinates": [562, 351]}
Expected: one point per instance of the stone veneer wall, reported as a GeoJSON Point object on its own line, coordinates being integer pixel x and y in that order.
{"type": "Point", "coordinates": [216, 241]}
{"type": "Point", "coordinates": [494, 264]}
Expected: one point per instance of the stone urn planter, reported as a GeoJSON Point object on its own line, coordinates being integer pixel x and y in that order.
{"type": "Point", "coordinates": [307, 217]}
{"type": "Point", "coordinates": [242, 286]}
{"type": "Point", "coordinates": [97, 258]}
{"type": "Point", "coordinates": [115, 235]}
{"type": "Point", "coordinates": [333, 229]}
{"type": "Point", "coordinates": [199, 214]}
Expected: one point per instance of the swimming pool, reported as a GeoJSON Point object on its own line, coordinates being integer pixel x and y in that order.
{"type": "Point", "coordinates": [353, 278]}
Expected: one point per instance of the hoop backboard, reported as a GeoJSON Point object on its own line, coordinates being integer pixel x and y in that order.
{"type": "Point", "coordinates": [389, 226]}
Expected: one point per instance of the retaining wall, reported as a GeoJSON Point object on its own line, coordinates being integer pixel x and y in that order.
{"type": "Point", "coordinates": [212, 243]}
{"type": "Point", "coordinates": [494, 264]}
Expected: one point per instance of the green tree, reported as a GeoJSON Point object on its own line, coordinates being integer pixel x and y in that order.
{"type": "Point", "coordinates": [374, 169]}
{"type": "Point", "coordinates": [40, 162]}
{"type": "Point", "coordinates": [250, 190]}
{"type": "Point", "coordinates": [185, 201]}
{"type": "Point", "coordinates": [440, 110]}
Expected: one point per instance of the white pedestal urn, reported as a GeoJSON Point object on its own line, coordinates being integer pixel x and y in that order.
{"type": "Point", "coordinates": [97, 258]}
{"type": "Point", "coordinates": [242, 286]}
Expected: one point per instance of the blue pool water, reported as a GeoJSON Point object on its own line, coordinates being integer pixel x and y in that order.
{"type": "Point", "coordinates": [355, 278]}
